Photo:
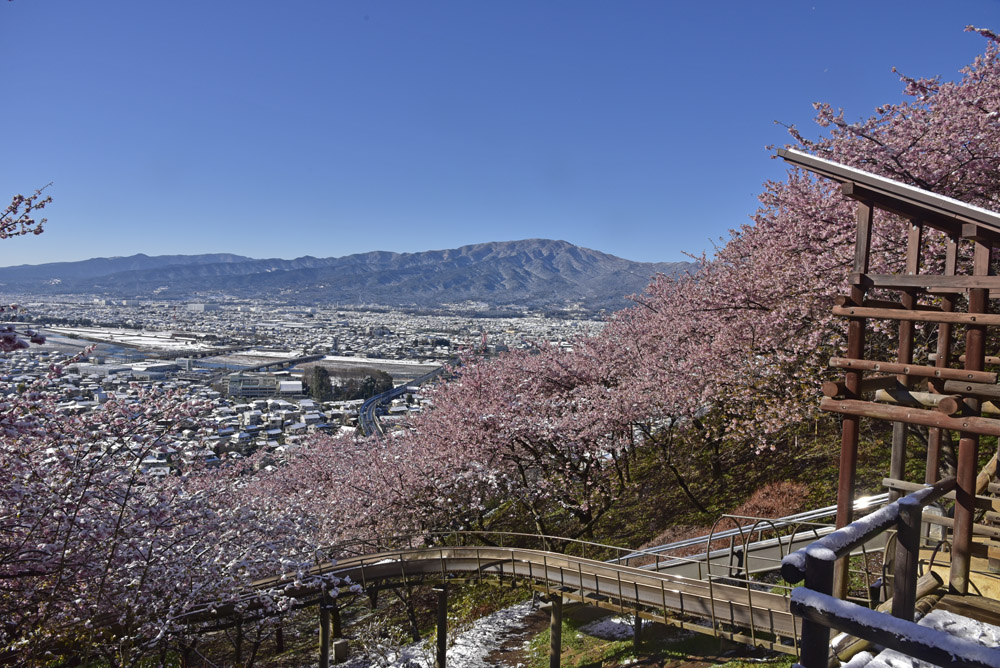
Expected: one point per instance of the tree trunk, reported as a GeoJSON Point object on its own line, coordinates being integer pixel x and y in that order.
{"type": "Point", "coordinates": [687, 490]}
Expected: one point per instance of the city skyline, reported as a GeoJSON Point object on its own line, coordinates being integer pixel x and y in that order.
{"type": "Point", "coordinates": [329, 129]}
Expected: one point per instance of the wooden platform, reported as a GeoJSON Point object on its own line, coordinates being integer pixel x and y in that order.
{"type": "Point", "coordinates": [979, 608]}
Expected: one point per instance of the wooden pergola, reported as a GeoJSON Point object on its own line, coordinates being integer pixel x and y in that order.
{"type": "Point", "coordinates": [952, 391]}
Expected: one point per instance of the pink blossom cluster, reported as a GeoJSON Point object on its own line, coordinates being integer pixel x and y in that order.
{"type": "Point", "coordinates": [18, 217]}
{"type": "Point", "coordinates": [93, 549]}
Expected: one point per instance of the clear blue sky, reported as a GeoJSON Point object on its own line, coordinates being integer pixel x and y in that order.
{"type": "Point", "coordinates": [330, 127]}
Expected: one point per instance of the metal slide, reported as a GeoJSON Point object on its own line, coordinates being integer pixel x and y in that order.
{"type": "Point", "coordinates": [735, 553]}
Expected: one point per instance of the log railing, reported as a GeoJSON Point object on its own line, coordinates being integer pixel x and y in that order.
{"type": "Point", "coordinates": [821, 612]}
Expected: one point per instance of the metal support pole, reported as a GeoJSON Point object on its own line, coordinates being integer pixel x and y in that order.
{"type": "Point", "coordinates": [555, 630]}
{"type": "Point", "coordinates": [442, 625]}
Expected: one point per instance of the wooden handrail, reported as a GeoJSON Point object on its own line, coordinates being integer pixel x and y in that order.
{"type": "Point", "coordinates": [937, 647]}
{"type": "Point", "coordinates": [815, 565]}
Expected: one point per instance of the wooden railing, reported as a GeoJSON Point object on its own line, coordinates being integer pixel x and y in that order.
{"type": "Point", "coordinates": [821, 612]}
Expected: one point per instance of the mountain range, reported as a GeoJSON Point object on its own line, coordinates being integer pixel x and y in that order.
{"type": "Point", "coordinates": [537, 273]}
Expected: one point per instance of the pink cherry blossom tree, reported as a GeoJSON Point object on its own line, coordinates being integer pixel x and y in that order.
{"type": "Point", "coordinates": [533, 428]}
{"type": "Point", "coordinates": [733, 354]}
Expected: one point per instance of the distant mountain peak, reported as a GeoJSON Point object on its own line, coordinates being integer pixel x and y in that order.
{"type": "Point", "coordinates": [537, 273]}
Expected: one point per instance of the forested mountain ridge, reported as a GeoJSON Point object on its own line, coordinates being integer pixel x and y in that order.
{"type": "Point", "coordinates": [532, 272]}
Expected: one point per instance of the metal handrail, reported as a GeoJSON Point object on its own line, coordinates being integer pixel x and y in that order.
{"type": "Point", "coordinates": [597, 578]}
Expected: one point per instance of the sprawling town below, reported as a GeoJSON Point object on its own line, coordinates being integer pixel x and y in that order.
{"type": "Point", "coordinates": [253, 361]}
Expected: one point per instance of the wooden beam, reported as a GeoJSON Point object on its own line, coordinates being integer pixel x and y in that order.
{"type": "Point", "coordinates": [904, 355]}
{"type": "Point", "coordinates": [843, 300]}
{"type": "Point", "coordinates": [324, 636]}
{"type": "Point", "coordinates": [907, 563]}
{"type": "Point", "coordinates": [942, 356]}
{"type": "Point", "coordinates": [914, 315]}
{"type": "Point", "coordinates": [935, 219]}
{"type": "Point", "coordinates": [982, 502]}
{"type": "Point", "coordinates": [926, 418]}
{"type": "Point", "coordinates": [979, 233]}
{"type": "Point", "coordinates": [850, 426]}
{"type": "Point", "coordinates": [988, 473]}
{"type": "Point", "coordinates": [955, 404]}
{"type": "Point", "coordinates": [981, 390]}
{"type": "Point", "coordinates": [914, 370]}
{"type": "Point", "coordinates": [926, 281]}
{"type": "Point", "coordinates": [870, 384]}
{"type": "Point", "coordinates": [945, 403]}
{"type": "Point", "coordinates": [989, 359]}
{"type": "Point", "coordinates": [968, 444]}
{"type": "Point", "coordinates": [863, 240]}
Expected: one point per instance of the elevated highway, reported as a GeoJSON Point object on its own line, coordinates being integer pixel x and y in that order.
{"type": "Point", "coordinates": [368, 414]}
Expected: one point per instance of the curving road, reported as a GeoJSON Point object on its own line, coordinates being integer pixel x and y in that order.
{"type": "Point", "coordinates": [367, 418]}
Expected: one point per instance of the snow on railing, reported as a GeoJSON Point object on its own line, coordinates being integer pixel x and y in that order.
{"type": "Point", "coordinates": [821, 611]}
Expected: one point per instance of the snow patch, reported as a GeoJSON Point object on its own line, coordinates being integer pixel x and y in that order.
{"type": "Point", "coordinates": [471, 647]}
{"type": "Point", "coordinates": [946, 622]}
{"type": "Point", "coordinates": [612, 627]}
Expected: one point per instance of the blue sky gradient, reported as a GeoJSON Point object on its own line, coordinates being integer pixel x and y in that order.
{"type": "Point", "coordinates": [313, 127]}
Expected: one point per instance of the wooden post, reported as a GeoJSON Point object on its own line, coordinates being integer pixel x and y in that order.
{"type": "Point", "coordinates": [932, 473]}
{"type": "Point", "coordinates": [442, 626]}
{"type": "Point", "coordinates": [850, 427]}
{"type": "Point", "coordinates": [814, 648]}
{"type": "Point", "coordinates": [279, 640]}
{"type": "Point", "coordinates": [238, 644]}
{"type": "Point", "coordinates": [555, 630]}
{"type": "Point", "coordinates": [968, 445]}
{"type": "Point", "coordinates": [904, 583]}
{"type": "Point", "coordinates": [904, 355]}
{"type": "Point", "coordinates": [324, 635]}
{"type": "Point", "coordinates": [334, 618]}
{"type": "Point", "coordinates": [637, 632]}
{"type": "Point", "coordinates": [187, 649]}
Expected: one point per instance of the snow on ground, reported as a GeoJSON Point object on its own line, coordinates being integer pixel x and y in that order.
{"type": "Point", "coordinates": [612, 627]}
{"type": "Point", "coordinates": [141, 339]}
{"type": "Point", "coordinates": [941, 620]}
{"type": "Point", "coordinates": [470, 649]}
